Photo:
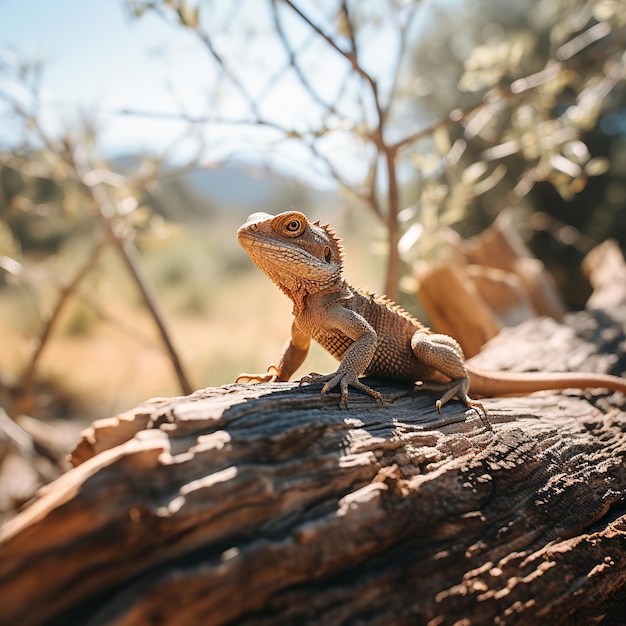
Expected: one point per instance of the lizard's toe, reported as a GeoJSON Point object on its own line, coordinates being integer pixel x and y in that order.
{"type": "Point", "coordinates": [269, 377]}
{"type": "Point", "coordinates": [456, 389]}
{"type": "Point", "coordinates": [344, 380]}
{"type": "Point", "coordinates": [314, 377]}
{"type": "Point", "coordinates": [480, 410]}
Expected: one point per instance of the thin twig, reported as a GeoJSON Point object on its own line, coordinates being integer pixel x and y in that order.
{"type": "Point", "coordinates": [349, 56]}
{"type": "Point", "coordinates": [292, 57]}
{"type": "Point", "coordinates": [30, 449]}
{"type": "Point", "coordinates": [27, 378]}
{"type": "Point", "coordinates": [400, 56]}
{"type": "Point", "coordinates": [238, 84]}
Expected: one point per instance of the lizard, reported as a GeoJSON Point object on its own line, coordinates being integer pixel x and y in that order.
{"type": "Point", "coordinates": [368, 334]}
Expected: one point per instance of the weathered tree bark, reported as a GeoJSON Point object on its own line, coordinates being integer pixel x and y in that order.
{"type": "Point", "coordinates": [264, 505]}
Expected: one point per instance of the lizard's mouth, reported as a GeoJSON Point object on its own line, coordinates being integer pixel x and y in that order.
{"type": "Point", "coordinates": [285, 253]}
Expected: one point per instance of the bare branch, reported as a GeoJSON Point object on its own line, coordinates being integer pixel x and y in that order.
{"type": "Point", "coordinates": [334, 172]}
{"type": "Point", "coordinates": [129, 255]}
{"type": "Point", "coordinates": [207, 41]}
{"type": "Point", "coordinates": [118, 324]}
{"type": "Point", "coordinates": [23, 388]}
{"type": "Point", "coordinates": [371, 183]}
{"type": "Point", "coordinates": [403, 32]}
{"type": "Point", "coordinates": [292, 57]}
{"type": "Point", "coordinates": [349, 27]}
{"type": "Point", "coordinates": [349, 56]}
{"type": "Point", "coordinates": [206, 119]}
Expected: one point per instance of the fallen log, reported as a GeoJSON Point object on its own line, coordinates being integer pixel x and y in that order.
{"type": "Point", "coordinates": [263, 504]}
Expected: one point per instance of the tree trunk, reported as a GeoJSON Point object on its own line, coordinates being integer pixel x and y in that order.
{"type": "Point", "coordinates": [264, 505]}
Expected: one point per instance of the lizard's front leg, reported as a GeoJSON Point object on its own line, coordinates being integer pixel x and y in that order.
{"type": "Point", "coordinates": [293, 356]}
{"type": "Point", "coordinates": [355, 359]}
{"type": "Point", "coordinates": [444, 354]}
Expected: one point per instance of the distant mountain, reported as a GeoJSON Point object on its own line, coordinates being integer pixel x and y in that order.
{"type": "Point", "coordinates": [235, 188]}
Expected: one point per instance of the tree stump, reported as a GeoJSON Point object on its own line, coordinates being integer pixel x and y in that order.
{"type": "Point", "coordinates": [262, 504]}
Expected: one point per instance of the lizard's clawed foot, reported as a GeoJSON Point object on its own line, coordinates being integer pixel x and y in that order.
{"type": "Point", "coordinates": [457, 389]}
{"type": "Point", "coordinates": [269, 377]}
{"type": "Point", "coordinates": [344, 380]}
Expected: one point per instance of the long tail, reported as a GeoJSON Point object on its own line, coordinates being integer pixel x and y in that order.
{"type": "Point", "coordinates": [484, 383]}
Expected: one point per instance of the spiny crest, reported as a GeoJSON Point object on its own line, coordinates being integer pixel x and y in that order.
{"type": "Point", "coordinates": [330, 231]}
{"type": "Point", "coordinates": [395, 308]}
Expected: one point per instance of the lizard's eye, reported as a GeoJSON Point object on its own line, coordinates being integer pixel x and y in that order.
{"type": "Point", "coordinates": [294, 227]}
{"type": "Point", "coordinates": [292, 224]}
{"type": "Point", "coordinates": [327, 254]}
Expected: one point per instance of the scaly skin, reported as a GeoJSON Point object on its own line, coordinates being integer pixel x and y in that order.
{"type": "Point", "coordinates": [369, 335]}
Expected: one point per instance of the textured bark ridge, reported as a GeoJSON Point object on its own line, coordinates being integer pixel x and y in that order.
{"type": "Point", "coordinates": [264, 505]}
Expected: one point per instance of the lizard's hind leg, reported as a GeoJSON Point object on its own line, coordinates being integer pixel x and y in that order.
{"type": "Point", "coordinates": [444, 354]}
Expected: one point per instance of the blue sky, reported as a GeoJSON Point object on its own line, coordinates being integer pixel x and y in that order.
{"type": "Point", "coordinates": [96, 59]}
{"type": "Point", "coordinates": [100, 60]}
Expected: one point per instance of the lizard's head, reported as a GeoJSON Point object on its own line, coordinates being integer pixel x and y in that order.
{"type": "Point", "coordinates": [299, 256]}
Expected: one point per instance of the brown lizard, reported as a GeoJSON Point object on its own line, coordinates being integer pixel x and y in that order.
{"type": "Point", "coordinates": [369, 334]}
